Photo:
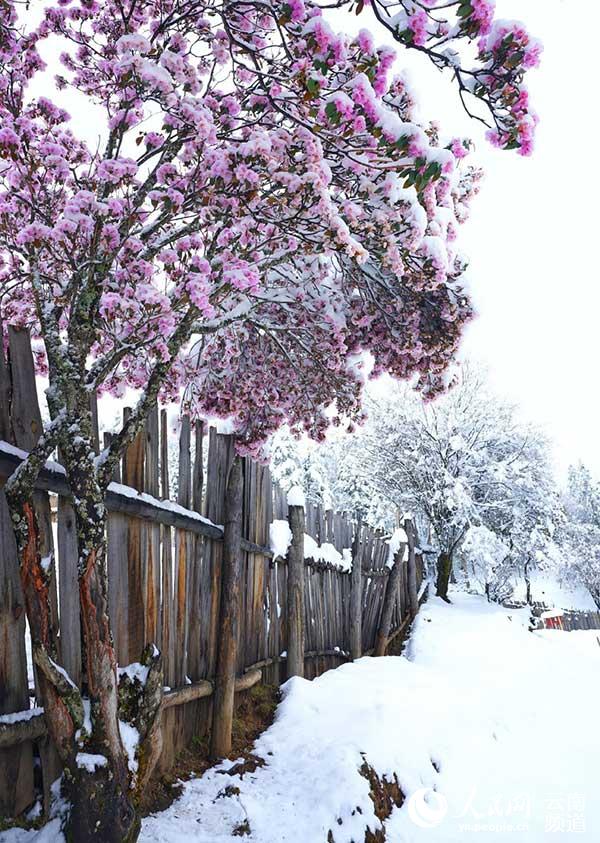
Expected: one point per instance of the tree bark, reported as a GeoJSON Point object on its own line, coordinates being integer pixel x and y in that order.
{"type": "Point", "coordinates": [527, 583]}
{"type": "Point", "coordinates": [295, 593]}
{"type": "Point", "coordinates": [102, 800]}
{"type": "Point", "coordinates": [444, 568]}
{"type": "Point", "coordinates": [391, 592]}
{"type": "Point", "coordinates": [220, 742]}
{"type": "Point", "coordinates": [411, 534]}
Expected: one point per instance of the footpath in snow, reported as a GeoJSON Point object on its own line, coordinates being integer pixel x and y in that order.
{"type": "Point", "coordinates": [491, 730]}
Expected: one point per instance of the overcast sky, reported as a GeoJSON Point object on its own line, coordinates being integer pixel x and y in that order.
{"type": "Point", "coordinates": [532, 236]}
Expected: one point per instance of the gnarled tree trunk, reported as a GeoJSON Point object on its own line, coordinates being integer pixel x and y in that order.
{"type": "Point", "coordinates": [444, 569]}
{"type": "Point", "coordinates": [101, 798]}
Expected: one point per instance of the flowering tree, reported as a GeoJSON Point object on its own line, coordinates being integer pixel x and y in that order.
{"type": "Point", "coordinates": [261, 209]}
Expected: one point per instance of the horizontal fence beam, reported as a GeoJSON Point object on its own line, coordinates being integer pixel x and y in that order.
{"type": "Point", "coordinates": [34, 727]}
{"type": "Point", "coordinates": [126, 501]}
{"type": "Point", "coordinates": [312, 654]}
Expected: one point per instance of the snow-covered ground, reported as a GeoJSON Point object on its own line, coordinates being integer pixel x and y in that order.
{"type": "Point", "coordinates": [491, 730]}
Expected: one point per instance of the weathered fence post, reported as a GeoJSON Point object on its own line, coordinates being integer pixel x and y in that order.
{"type": "Point", "coordinates": [388, 602]}
{"type": "Point", "coordinates": [411, 534]}
{"type": "Point", "coordinates": [223, 701]}
{"type": "Point", "coordinates": [295, 592]}
{"type": "Point", "coordinates": [356, 596]}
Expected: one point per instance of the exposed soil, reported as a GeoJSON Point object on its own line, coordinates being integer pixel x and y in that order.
{"type": "Point", "coordinates": [386, 795]}
{"type": "Point", "coordinates": [254, 713]}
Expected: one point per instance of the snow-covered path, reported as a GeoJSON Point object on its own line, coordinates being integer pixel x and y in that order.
{"type": "Point", "coordinates": [492, 732]}
{"type": "Point", "coordinates": [508, 717]}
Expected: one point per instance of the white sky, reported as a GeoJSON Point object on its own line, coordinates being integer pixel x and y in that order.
{"type": "Point", "coordinates": [531, 235]}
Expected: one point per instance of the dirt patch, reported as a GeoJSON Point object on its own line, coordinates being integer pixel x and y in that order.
{"type": "Point", "coordinates": [254, 713]}
{"type": "Point", "coordinates": [385, 795]}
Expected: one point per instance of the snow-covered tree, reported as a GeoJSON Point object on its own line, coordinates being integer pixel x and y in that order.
{"type": "Point", "coordinates": [471, 471]}
{"type": "Point", "coordinates": [581, 534]}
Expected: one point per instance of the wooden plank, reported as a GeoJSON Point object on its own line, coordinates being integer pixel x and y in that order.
{"type": "Point", "coordinates": [167, 596]}
{"type": "Point", "coordinates": [184, 491]}
{"type": "Point", "coordinates": [118, 585]}
{"type": "Point", "coordinates": [6, 432]}
{"type": "Point", "coordinates": [196, 624]}
{"type": "Point", "coordinates": [16, 764]}
{"type": "Point", "coordinates": [118, 580]}
{"type": "Point", "coordinates": [25, 412]}
{"type": "Point", "coordinates": [68, 555]}
{"type": "Point", "coordinates": [389, 598]}
{"type": "Point", "coordinates": [356, 596]}
{"type": "Point", "coordinates": [27, 426]}
{"type": "Point", "coordinates": [133, 475]}
{"type": "Point", "coordinates": [124, 501]}
{"type": "Point", "coordinates": [151, 532]}
{"type": "Point", "coordinates": [220, 745]}
{"type": "Point", "coordinates": [295, 593]}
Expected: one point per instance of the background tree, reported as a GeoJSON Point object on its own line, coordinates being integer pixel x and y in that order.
{"type": "Point", "coordinates": [581, 534]}
{"type": "Point", "coordinates": [479, 480]}
{"type": "Point", "coordinates": [260, 208]}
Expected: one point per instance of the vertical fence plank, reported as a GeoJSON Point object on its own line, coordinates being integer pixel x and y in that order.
{"type": "Point", "coordinates": [27, 427]}
{"type": "Point", "coordinates": [16, 763]}
{"type": "Point", "coordinates": [196, 642]}
{"type": "Point", "coordinates": [295, 589]}
{"type": "Point", "coordinates": [184, 481]}
{"type": "Point", "coordinates": [133, 475]}
{"type": "Point", "coordinates": [68, 554]}
{"type": "Point", "coordinates": [356, 596]}
{"type": "Point", "coordinates": [118, 574]}
{"type": "Point", "coordinates": [151, 532]}
{"type": "Point", "coordinates": [224, 693]}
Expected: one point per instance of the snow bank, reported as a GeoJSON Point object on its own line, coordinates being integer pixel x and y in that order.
{"type": "Point", "coordinates": [469, 724]}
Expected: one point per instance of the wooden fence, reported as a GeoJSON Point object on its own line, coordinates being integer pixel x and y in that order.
{"type": "Point", "coordinates": [164, 562]}
{"type": "Point", "coordinates": [566, 620]}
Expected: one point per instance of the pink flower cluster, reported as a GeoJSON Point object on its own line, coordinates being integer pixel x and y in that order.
{"type": "Point", "coordinates": [267, 205]}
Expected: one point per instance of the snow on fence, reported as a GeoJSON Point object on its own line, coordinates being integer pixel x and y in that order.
{"type": "Point", "coordinates": [164, 563]}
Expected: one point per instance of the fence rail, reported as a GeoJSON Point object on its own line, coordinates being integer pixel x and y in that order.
{"type": "Point", "coordinates": [164, 560]}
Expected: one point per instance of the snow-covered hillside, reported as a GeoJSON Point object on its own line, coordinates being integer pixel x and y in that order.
{"type": "Point", "coordinates": [491, 730]}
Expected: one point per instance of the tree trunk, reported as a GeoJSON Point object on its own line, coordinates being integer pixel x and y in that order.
{"type": "Point", "coordinates": [391, 593]}
{"type": "Point", "coordinates": [102, 801]}
{"type": "Point", "coordinates": [223, 700]}
{"type": "Point", "coordinates": [444, 569]}
{"type": "Point", "coordinates": [411, 534]}
{"type": "Point", "coordinates": [527, 583]}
